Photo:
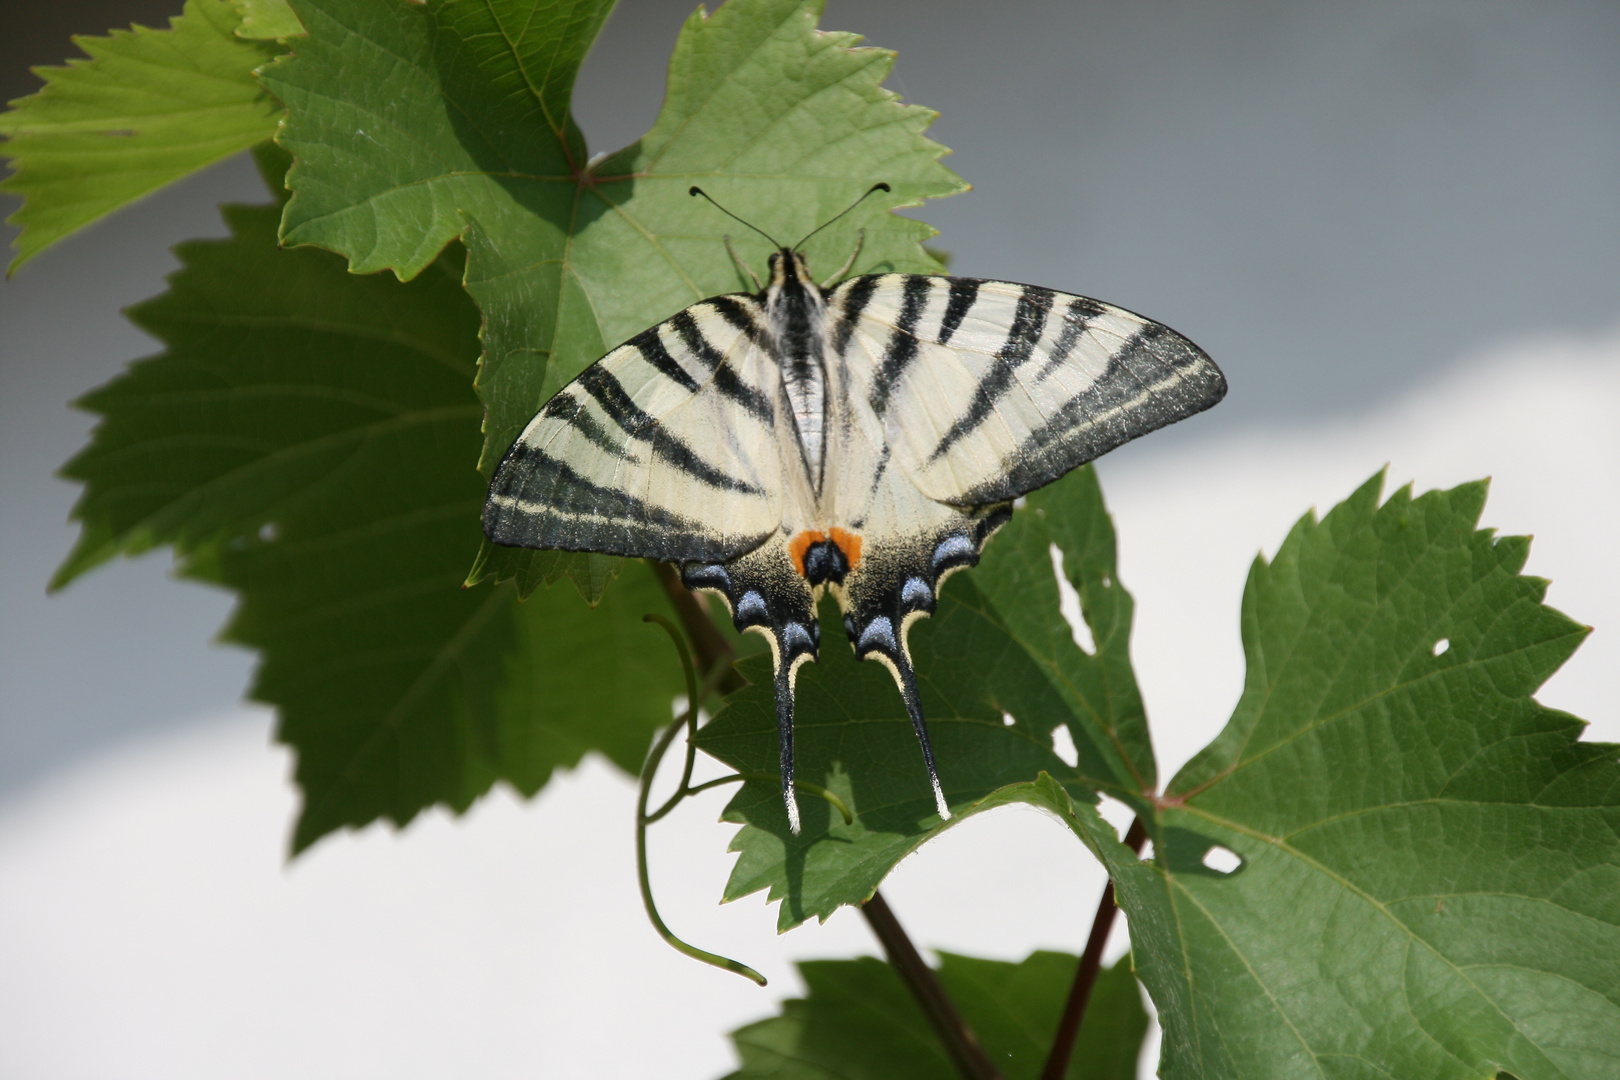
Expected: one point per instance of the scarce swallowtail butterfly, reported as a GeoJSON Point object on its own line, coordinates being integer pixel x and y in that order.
{"type": "Point", "coordinates": [864, 436]}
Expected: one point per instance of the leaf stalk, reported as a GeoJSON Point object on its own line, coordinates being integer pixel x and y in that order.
{"type": "Point", "coordinates": [961, 1044]}
{"type": "Point", "coordinates": [1085, 977]}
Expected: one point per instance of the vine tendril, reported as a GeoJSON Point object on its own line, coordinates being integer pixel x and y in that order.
{"type": "Point", "coordinates": [643, 818]}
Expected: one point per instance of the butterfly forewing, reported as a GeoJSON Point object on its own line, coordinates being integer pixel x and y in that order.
{"type": "Point", "coordinates": [663, 449]}
{"type": "Point", "coordinates": [986, 390]}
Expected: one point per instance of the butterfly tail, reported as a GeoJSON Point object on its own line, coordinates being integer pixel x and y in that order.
{"type": "Point", "coordinates": [878, 640]}
{"type": "Point", "coordinates": [767, 595]}
{"type": "Point", "coordinates": [784, 734]}
{"type": "Point", "coordinates": [907, 678]}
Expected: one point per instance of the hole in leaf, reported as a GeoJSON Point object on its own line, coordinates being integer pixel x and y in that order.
{"type": "Point", "coordinates": [1008, 719]}
{"type": "Point", "coordinates": [1069, 605]}
{"type": "Point", "coordinates": [1063, 746]}
{"type": "Point", "coordinates": [1020, 502]}
{"type": "Point", "coordinates": [1108, 581]}
{"type": "Point", "coordinates": [1441, 646]}
{"type": "Point", "coordinates": [1222, 860]}
{"type": "Point", "coordinates": [1147, 852]}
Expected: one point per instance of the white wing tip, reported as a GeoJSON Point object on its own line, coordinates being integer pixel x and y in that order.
{"type": "Point", "coordinates": [939, 801]}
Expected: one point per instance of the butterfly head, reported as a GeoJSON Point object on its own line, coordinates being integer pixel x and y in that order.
{"type": "Point", "coordinates": [788, 272]}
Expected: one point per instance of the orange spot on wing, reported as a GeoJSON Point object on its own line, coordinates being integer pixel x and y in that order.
{"type": "Point", "coordinates": [800, 544]}
{"type": "Point", "coordinates": [850, 544]}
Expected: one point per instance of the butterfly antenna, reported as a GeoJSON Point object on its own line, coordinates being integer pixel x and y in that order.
{"type": "Point", "coordinates": [874, 188]}
{"type": "Point", "coordinates": [695, 191]}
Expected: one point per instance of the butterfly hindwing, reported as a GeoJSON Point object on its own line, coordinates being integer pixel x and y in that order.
{"type": "Point", "coordinates": [986, 390]}
{"type": "Point", "coordinates": [663, 449]}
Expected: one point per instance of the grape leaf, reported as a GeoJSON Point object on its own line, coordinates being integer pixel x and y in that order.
{"type": "Point", "coordinates": [1430, 860]}
{"type": "Point", "coordinates": [267, 20]}
{"type": "Point", "coordinates": [997, 646]}
{"type": "Point", "coordinates": [146, 108]}
{"type": "Point", "coordinates": [413, 125]}
{"type": "Point", "coordinates": [860, 1022]}
{"type": "Point", "coordinates": [307, 440]}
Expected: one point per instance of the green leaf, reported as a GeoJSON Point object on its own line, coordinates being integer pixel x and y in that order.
{"type": "Point", "coordinates": [267, 20]}
{"type": "Point", "coordinates": [859, 1022]}
{"type": "Point", "coordinates": [307, 440]}
{"type": "Point", "coordinates": [1430, 876]}
{"type": "Point", "coordinates": [146, 108]}
{"type": "Point", "coordinates": [414, 125]}
{"type": "Point", "coordinates": [997, 646]}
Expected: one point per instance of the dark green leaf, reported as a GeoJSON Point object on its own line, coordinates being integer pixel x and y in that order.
{"type": "Point", "coordinates": [860, 1022]}
{"type": "Point", "coordinates": [307, 440]}
{"type": "Point", "coordinates": [1430, 876]}
{"type": "Point", "coordinates": [147, 108]}
{"type": "Point", "coordinates": [413, 125]}
{"type": "Point", "coordinates": [997, 646]}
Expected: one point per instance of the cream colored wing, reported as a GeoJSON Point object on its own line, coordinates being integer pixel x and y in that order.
{"type": "Point", "coordinates": [985, 390]}
{"type": "Point", "coordinates": [666, 448]}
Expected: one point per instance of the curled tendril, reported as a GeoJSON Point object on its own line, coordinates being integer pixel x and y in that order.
{"type": "Point", "coordinates": [643, 818]}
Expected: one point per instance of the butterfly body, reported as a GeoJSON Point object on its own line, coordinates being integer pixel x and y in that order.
{"type": "Point", "coordinates": [866, 440]}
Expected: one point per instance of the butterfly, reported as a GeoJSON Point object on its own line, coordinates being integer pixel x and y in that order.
{"type": "Point", "coordinates": [863, 437]}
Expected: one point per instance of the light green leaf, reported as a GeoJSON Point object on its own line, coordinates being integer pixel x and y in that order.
{"type": "Point", "coordinates": [414, 125]}
{"type": "Point", "coordinates": [146, 108]}
{"type": "Point", "coordinates": [860, 1023]}
{"type": "Point", "coordinates": [307, 441]}
{"type": "Point", "coordinates": [998, 646]}
{"type": "Point", "coordinates": [267, 20]}
{"type": "Point", "coordinates": [1430, 875]}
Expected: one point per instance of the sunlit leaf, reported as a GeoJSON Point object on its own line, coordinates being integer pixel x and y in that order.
{"type": "Point", "coordinates": [416, 124]}
{"type": "Point", "coordinates": [146, 108]}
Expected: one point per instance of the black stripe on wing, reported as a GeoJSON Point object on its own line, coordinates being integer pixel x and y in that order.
{"type": "Point", "coordinates": [1080, 310]}
{"type": "Point", "coordinates": [538, 501]}
{"type": "Point", "coordinates": [566, 407]}
{"type": "Point", "coordinates": [725, 379]}
{"type": "Point", "coordinates": [1157, 378]}
{"type": "Point", "coordinates": [651, 347]}
{"type": "Point", "coordinates": [903, 344]}
{"type": "Point", "coordinates": [964, 291]}
{"type": "Point", "coordinates": [1029, 323]}
{"type": "Point", "coordinates": [737, 312]}
{"type": "Point", "coordinates": [607, 391]}
{"type": "Point", "coordinates": [857, 293]}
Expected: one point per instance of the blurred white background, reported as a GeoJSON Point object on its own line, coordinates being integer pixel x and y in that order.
{"type": "Point", "coordinates": [1394, 225]}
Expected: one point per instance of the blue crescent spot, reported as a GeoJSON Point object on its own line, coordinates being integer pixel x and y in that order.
{"type": "Point", "coordinates": [879, 629]}
{"type": "Point", "coordinates": [795, 636]}
{"type": "Point", "coordinates": [752, 606]}
{"type": "Point", "coordinates": [952, 547]}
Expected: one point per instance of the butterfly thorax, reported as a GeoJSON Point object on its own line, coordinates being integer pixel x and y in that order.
{"type": "Point", "coordinates": [795, 312]}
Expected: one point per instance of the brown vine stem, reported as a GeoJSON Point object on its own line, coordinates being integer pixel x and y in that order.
{"type": "Point", "coordinates": [1074, 1010]}
{"type": "Point", "coordinates": [960, 1042]}
{"type": "Point", "coordinates": [711, 649]}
